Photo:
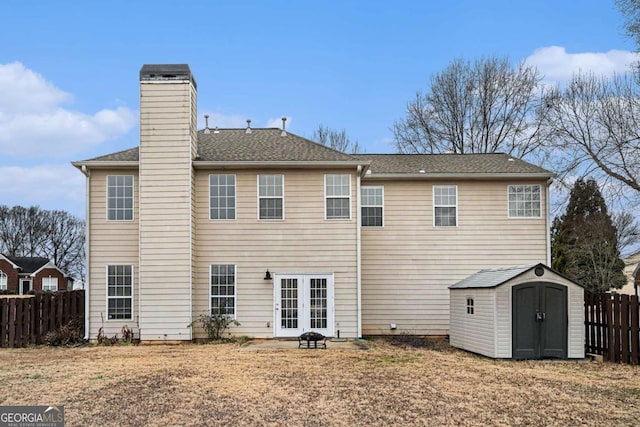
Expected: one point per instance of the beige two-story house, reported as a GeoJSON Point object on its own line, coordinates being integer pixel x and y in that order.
{"type": "Point", "coordinates": [287, 235]}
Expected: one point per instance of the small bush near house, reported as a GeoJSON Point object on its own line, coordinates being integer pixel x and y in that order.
{"type": "Point", "coordinates": [216, 323]}
{"type": "Point", "coordinates": [68, 334]}
{"type": "Point", "coordinates": [127, 334]}
{"type": "Point", "coordinates": [102, 339]}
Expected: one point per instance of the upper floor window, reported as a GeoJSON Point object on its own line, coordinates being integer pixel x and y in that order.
{"type": "Point", "coordinates": [445, 205]}
{"type": "Point", "coordinates": [270, 196]}
{"type": "Point", "coordinates": [222, 196]}
{"type": "Point", "coordinates": [372, 206]}
{"type": "Point", "coordinates": [524, 201]}
{"type": "Point", "coordinates": [120, 197]}
{"type": "Point", "coordinates": [223, 289]}
{"type": "Point", "coordinates": [50, 284]}
{"type": "Point", "coordinates": [120, 292]}
{"type": "Point", "coordinates": [3, 281]}
{"type": "Point", "coordinates": [337, 196]}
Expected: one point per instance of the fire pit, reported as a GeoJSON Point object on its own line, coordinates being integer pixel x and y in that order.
{"type": "Point", "coordinates": [314, 337]}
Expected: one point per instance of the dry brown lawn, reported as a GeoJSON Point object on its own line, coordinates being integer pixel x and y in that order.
{"type": "Point", "coordinates": [199, 385]}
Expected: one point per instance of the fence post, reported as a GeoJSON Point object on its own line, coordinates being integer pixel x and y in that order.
{"type": "Point", "coordinates": [635, 329]}
{"type": "Point", "coordinates": [4, 321]}
{"type": "Point", "coordinates": [624, 328]}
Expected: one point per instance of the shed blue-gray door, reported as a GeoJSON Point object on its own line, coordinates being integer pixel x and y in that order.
{"type": "Point", "coordinates": [539, 327]}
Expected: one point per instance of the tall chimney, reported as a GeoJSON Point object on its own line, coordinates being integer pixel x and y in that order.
{"type": "Point", "coordinates": [168, 145]}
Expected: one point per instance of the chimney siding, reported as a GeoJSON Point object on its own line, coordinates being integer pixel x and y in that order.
{"type": "Point", "coordinates": [168, 137]}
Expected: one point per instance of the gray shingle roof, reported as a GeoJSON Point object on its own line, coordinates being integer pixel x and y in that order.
{"type": "Point", "coordinates": [495, 163]}
{"type": "Point", "coordinates": [268, 145]}
{"type": "Point", "coordinates": [235, 145]}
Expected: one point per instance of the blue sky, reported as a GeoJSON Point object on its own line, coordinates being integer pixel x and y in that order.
{"type": "Point", "coordinates": [69, 70]}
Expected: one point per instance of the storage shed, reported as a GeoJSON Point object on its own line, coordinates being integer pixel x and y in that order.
{"type": "Point", "coordinates": [521, 312]}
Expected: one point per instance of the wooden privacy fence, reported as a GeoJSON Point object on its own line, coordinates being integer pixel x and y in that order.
{"type": "Point", "coordinates": [612, 327]}
{"type": "Point", "coordinates": [26, 320]}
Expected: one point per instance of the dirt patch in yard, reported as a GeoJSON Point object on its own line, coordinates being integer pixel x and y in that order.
{"type": "Point", "coordinates": [196, 385]}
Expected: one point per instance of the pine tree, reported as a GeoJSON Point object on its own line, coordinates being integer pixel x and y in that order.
{"type": "Point", "coordinates": [584, 243]}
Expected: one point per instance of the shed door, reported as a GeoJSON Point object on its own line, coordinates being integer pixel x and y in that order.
{"type": "Point", "coordinates": [539, 327]}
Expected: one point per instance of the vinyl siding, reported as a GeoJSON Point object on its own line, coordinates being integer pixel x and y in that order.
{"type": "Point", "coordinates": [473, 332]}
{"type": "Point", "coordinates": [167, 118]}
{"type": "Point", "coordinates": [110, 243]}
{"type": "Point", "coordinates": [303, 243]}
{"type": "Point", "coordinates": [408, 264]}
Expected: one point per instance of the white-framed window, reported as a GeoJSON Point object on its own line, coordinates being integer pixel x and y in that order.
{"type": "Point", "coordinates": [222, 197]}
{"type": "Point", "coordinates": [3, 281]}
{"type": "Point", "coordinates": [222, 291]}
{"type": "Point", "coordinates": [372, 206]}
{"type": "Point", "coordinates": [445, 205]}
{"type": "Point", "coordinates": [524, 201]}
{"type": "Point", "coordinates": [337, 193]}
{"type": "Point", "coordinates": [120, 197]}
{"type": "Point", "coordinates": [270, 196]}
{"type": "Point", "coordinates": [120, 292]}
{"type": "Point", "coordinates": [470, 308]}
{"type": "Point", "coordinates": [50, 284]}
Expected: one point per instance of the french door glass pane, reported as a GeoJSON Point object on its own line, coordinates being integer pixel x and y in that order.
{"type": "Point", "coordinates": [289, 303]}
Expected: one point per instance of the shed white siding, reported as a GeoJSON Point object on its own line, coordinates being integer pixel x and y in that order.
{"type": "Point", "coordinates": [473, 332]}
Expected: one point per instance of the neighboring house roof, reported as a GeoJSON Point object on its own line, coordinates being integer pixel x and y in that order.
{"type": "Point", "coordinates": [493, 277]}
{"type": "Point", "coordinates": [450, 164]}
{"type": "Point", "coordinates": [29, 265]}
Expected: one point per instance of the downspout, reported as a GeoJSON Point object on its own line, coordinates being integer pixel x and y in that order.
{"type": "Point", "coordinates": [87, 252]}
{"type": "Point", "coordinates": [359, 254]}
{"type": "Point", "coordinates": [548, 223]}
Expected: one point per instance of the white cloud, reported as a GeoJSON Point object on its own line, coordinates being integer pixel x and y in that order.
{"type": "Point", "coordinates": [277, 123]}
{"type": "Point", "coordinates": [33, 122]}
{"type": "Point", "coordinates": [556, 65]}
{"type": "Point", "coordinates": [49, 186]}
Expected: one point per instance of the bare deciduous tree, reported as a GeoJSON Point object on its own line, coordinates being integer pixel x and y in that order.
{"type": "Point", "coordinates": [56, 235]}
{"type": "Point", "coordinates": [338, 140]}
{"type": "Point", "coordinates": [627, 230]}
{"type": "Point", "coordinates": [631, 11]}
{"type": "Point", "coordinates": [483, 106]}
{"type": "Point", "coordinates": [594, 129]}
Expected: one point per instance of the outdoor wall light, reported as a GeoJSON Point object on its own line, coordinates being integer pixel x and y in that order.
{"type": "Point", "coordinates": [267, 275]}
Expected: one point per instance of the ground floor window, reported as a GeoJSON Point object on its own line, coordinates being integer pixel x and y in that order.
{"type": "Point", "coordinates": [120, 292]}
{"type": "Point", "coordinates": [223, 289]}
{"type": "Point", "coordinates": [50, 284]}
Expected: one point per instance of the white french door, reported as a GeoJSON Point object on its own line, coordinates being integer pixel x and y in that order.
{"type": "Point", "coordinates": [303, 303]}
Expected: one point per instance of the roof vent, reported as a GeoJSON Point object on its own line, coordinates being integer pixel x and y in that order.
{"type": "Point", "coordinates": [284, 124]}
{"type": "Point", "coordinates": [206, 126]}
{"type": "Point", "coordinates": [248, 131]}
{"type": "Point", "coordinates": [216, 130]}
{"type": "Point", "coordinates": [511, 159]}
{"type": "Point", "coordinates": [422, 169]}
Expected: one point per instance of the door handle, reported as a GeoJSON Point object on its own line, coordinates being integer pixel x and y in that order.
{"type": "Point", "coordinates": [540, 316]}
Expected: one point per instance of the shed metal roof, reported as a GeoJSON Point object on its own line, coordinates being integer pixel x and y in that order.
{"type": "Point", "coordinates": [490, 278]}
